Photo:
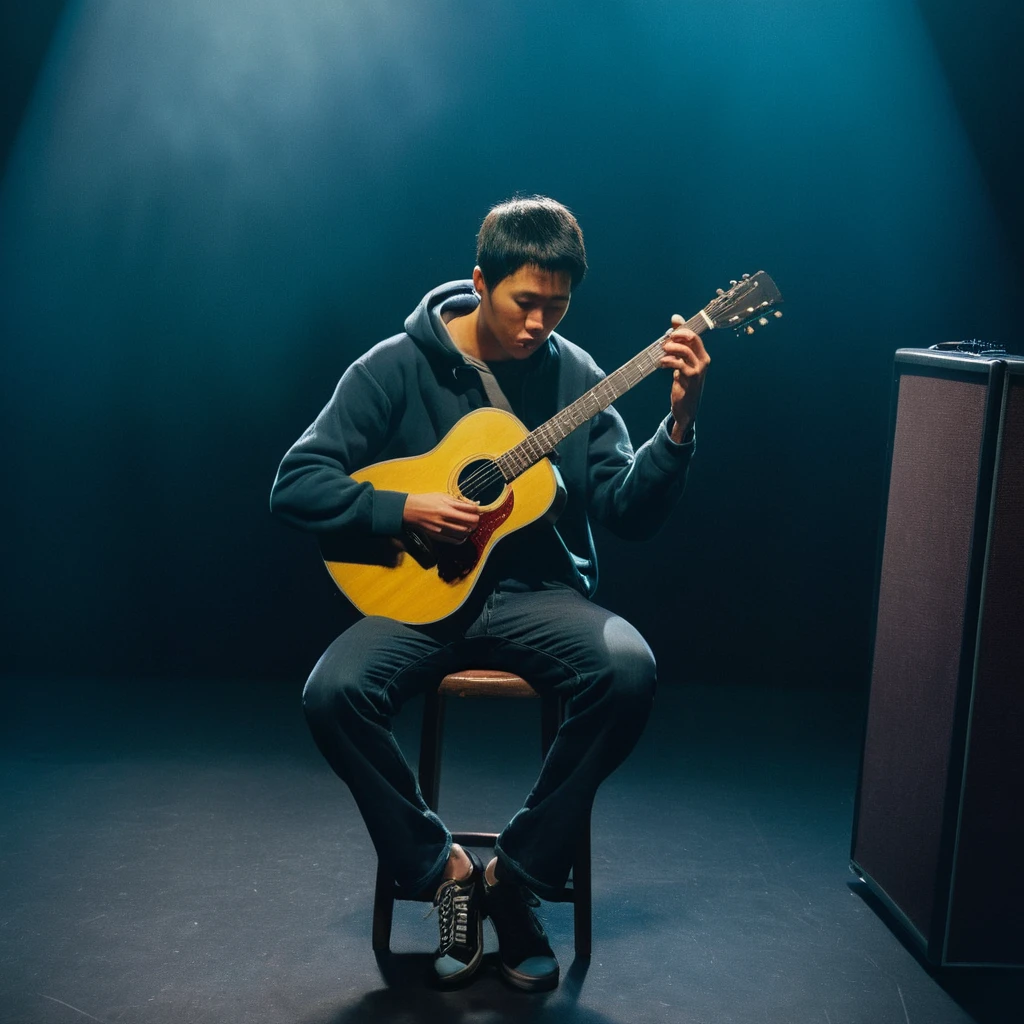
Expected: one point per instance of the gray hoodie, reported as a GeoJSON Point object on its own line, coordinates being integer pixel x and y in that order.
{"type": "Point", "coordinates": [406, 393]}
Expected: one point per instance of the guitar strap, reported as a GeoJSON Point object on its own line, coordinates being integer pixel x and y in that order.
{"type": "Point", "coordinates": [457, 305]}
{"type": "Point", "coordinates": [491, 386]}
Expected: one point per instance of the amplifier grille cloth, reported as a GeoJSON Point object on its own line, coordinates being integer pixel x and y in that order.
{"type": "Point", "coordinates": [929, 522]}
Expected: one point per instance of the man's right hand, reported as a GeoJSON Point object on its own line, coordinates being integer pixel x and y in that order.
{"type": "Point", "coordinates": [441, 517]}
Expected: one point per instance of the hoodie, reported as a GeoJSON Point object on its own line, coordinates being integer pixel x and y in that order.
{"type": "Point", "coordinates": [403, 396]}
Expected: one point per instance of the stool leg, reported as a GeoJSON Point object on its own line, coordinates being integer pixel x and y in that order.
{"type": "Point", "coordinates": [430, 748]}
{"type": "Point", "coordinates": [430, 781]}
{"type": "Point", "coordinates": [581, 893]}
{"type": "Point", "coordinates": [552, 711]}
{"type": "Point", "coordinates": [383, 910]}
{"type": "Point", "coordinates": [552, 715]}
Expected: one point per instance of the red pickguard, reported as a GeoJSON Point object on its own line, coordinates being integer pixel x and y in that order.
{"type": "Point", "coordinates": [457, 561]}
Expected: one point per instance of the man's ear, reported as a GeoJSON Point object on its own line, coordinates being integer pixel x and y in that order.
{"type": "Point", "coordinates": [478, 281]}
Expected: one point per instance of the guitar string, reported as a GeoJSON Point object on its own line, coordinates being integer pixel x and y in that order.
{"type": "Point", "coordinates": [491, 473]}
{"type": "Point", "coordinates": [530, 452]}
{"type": "Point", "coordinates": [542, 441]}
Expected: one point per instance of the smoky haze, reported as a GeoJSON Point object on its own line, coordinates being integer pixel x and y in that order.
{"type": "Point", "coordinates": [211, 209]}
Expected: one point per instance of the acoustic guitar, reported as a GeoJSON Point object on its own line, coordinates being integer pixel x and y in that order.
{"type": "Point", "coordinates": [489, 457]}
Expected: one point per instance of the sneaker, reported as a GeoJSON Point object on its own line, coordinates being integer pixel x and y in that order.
{"type": "Point", "coordinates": [460, 921]}
{"type": "Point", "coordinates": [524, 953]}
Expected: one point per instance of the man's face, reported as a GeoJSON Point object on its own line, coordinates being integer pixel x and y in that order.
{"type": "Point", "coordinates": [523, 309]}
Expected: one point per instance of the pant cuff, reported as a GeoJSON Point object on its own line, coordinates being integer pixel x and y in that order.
{"type": "Point", "coordinates": [429, 883]}
{"type": "Point", "coordinates": [512, 870]}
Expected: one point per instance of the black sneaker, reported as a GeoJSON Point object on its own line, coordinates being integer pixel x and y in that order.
{"type": "Point", "coordinates": [460, 921]}
{"type": "Point", "coordinates": [523, 949]}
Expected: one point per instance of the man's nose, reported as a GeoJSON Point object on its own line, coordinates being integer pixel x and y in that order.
{"type": "Point", "coordinates": [535, 320]}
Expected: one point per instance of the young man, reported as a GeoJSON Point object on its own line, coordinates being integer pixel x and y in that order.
{"type": "Point", "coordinates": [531, 611]}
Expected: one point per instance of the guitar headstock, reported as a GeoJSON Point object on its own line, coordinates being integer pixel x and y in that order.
{"type": "Point", "coordinates": [746, 305]}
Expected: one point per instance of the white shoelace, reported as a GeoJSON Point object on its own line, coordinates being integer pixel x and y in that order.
{"type": "Point", "coordinates": [453, 916]}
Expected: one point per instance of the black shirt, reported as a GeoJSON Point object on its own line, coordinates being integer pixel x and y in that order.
{"type": "Point", "coordinates": [533, 556]}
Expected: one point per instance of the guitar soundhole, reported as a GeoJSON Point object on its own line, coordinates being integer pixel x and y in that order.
{"type": "Point", "coordinates": [481, 481]}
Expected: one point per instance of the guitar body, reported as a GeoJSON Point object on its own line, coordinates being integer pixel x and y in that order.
{"type": "Point", "coordinates": [385, 579]}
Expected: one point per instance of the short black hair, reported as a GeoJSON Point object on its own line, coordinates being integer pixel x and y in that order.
{"type": "Point", "coordinates": [530, 230]}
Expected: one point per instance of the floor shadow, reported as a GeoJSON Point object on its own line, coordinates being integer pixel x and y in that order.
{"type": "Point", "coordinates": [408, 996]}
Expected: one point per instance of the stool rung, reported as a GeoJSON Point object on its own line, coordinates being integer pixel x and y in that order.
{"type": "Point", "coordinates": [475, 838]}
{"type": "Point", "coordinates": [567, 895]}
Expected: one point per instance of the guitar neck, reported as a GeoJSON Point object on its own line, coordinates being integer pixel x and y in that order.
{"type": "Point", "coordinates": [542, 441]}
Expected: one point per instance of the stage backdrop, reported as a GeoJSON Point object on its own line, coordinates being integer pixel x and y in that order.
{"type": "Point", "coordinates": [209, 208]}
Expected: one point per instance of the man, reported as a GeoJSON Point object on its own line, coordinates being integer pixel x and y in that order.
{"type": "Point", "coordinates": [531, 611]}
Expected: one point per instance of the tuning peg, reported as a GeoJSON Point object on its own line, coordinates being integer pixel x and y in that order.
{"type": "Point", "coordinates": [763, 321]}
{"type": "Point", "coordinates": [777, 314]}
{"type": "Point", "coordinates": [746, 277]}
{"type": "Point", "coordinates": [719, 291]}
{"type": "Point", "coordinates": [749, 329]}
{"type": "Point", "coordinates": [734, 283]}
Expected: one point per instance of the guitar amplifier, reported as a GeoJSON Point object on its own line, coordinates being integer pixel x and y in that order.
{"type": "Point", "coordinates": [938, 831]}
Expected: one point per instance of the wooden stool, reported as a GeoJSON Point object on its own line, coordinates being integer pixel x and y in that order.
{"type": "Point", "coordinates": [484, 683]}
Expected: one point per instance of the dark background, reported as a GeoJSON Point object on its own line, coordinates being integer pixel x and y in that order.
{"type": "Point", "coordinates": [209, 209]}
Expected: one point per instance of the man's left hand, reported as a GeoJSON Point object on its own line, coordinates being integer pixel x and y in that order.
{"type": "Point", "coordinates": [686, 356]}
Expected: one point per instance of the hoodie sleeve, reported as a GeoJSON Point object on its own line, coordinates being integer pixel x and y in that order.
{"type": "Point", "coordinates": [633, 493]}
{"type": "Point", "coordinates": [313, 489]}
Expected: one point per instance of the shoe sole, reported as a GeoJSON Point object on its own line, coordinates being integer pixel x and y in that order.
{"type": "Point", "coordinates": [527, 982]}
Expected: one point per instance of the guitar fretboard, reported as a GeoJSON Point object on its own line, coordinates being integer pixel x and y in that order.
{"type": "Point", "coordinates": [542, 441]}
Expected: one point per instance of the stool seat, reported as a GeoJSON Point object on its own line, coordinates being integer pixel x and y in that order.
{"type": "Point", "coordinates": [479, 682]}
{"type": "Point", "coordinates": [472, 682]}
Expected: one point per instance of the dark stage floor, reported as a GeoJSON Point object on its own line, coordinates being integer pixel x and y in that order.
{"type": "Point", "coordinates": [180, 853]}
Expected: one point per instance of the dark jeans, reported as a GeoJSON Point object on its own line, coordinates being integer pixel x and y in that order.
{"type": "Point", "coordinates": [558, 641]}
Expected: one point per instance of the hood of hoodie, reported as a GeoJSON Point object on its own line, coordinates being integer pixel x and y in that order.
{"type": "Point", "coordinates": [426, 326]}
